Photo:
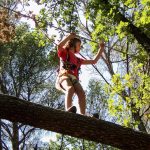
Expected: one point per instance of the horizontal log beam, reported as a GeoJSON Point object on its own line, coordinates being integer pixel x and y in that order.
{"type": "Point", "coordinates": [17, 110]}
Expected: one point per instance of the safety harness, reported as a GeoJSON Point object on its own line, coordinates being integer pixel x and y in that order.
{"type": "Point", "coordinates": [67, 65]}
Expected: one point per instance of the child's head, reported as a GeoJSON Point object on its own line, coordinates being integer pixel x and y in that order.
{"type": "Point", "coordinates": [74, 44]}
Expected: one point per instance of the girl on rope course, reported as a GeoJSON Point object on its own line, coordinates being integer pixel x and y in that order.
{"type": "Point", "coordinates": [68, 75]}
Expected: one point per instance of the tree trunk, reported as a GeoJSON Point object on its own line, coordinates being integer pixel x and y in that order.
{"type": "Point", "coordinates": [135, 114]}
{"type": "Point", "coordinates": [138, 118]}
{"type": "Point", "coordinates": [0, 134]}
{"type": "Point", "coordinates": [75, 125]}
{"type": "Point", "coordinates": [15, 138]}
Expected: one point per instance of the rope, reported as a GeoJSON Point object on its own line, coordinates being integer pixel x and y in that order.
{"type": "Point", "coordinates": [96, 70]}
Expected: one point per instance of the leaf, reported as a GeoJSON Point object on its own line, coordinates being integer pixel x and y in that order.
{"type": "Point", "coordinates": [127, 77]}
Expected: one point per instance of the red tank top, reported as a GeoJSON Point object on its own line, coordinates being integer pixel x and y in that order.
{"type": "Point", "coordinates": [73, 59]}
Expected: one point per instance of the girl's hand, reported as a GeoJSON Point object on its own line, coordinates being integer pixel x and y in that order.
{"type": "Point", "coordinates": [72, 35]}
{"type": "Point", "coordinates": [101, 44]}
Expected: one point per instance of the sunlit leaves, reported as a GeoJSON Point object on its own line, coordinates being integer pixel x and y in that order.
{"type": "Point", "coordinates": [61, 12]}
{"type": "Point", "coordinates": [137, 88]}
{"type": "Point", "coordinates": [40, 38]}
{"type": "Point", "coordinates": [143, 17]}
{"type": "Point", "coordinates": [130, 3]}
{"type": "Point", "coordinates": [121, 29]}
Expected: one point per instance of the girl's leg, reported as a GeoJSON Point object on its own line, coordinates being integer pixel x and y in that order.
{"type": "Point", "coordinates": [81, 97]}
{"type": "Point", "coordinates": [69, 91]}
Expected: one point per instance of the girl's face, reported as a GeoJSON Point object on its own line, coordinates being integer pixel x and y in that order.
{"type": "Point", "coordinates": [78, 46]}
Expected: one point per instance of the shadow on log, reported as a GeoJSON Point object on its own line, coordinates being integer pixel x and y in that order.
{"type": "Point", "coordinates": [17, 110]}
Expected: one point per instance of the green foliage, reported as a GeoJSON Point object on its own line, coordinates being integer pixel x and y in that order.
{"type": "Point", "coordinates": [27, 74]}
{"type": "Point", "coordinates": [67, 143]}
{"type": "Point", "coordinates": [28, 59]}
{"type": "Point", "coordinates": [4, 55]}
{"type": "Point", "coordinates": [53, 56]}
{"type": "Point", "coordinates": [103, 27]}
{"type": "Point", "coordinates": [126, 91]}
{"type": "Point", "coordinates": [97, 99]}
{"type": "Point", "coordinates": [40, 38]}
{"type": "Point", "coordinates": [63, 12]}
{"type": "Point", "coordinates": [106, 15]}
{"type": "Point", "coordinates": [121, 29]}
{"type": "Point", "coordinates": [143, 17]}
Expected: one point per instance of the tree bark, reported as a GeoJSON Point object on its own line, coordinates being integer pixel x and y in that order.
{"type": "Point", "coordinates": [17, 110]}
{"type": "Point", "coordinates": [15, 138]}
{"type": "Point", "coordinates": [0, 134]}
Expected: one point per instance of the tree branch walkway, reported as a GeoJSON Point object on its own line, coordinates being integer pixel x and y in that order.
{"type": "Point", "coordinates": [17, 110]}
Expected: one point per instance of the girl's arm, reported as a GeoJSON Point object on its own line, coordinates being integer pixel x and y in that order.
{"type": "Point", "coordinates": [64, 41]}
{"type": "Point", "coordinates": [97, 57]}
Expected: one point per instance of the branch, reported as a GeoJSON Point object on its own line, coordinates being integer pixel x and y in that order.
{"type": "Point", "coordinates": [145, 111]}
{"type": "Point", "coordinates": [17, 110]}
{"type": "Point", "coordinates": [5, 146]}
{"type": "Point", "coordinates": [97, 70]}
{"type": "Point", "coordinates": [6, 127]}
{"type": "Point", "coordinates": [25, 135]}
{"type": "Point", "coordinates": [3, 88]}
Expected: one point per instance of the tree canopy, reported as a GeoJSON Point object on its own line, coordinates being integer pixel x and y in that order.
{"type": "Point", "coordinates": [119, 84]}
